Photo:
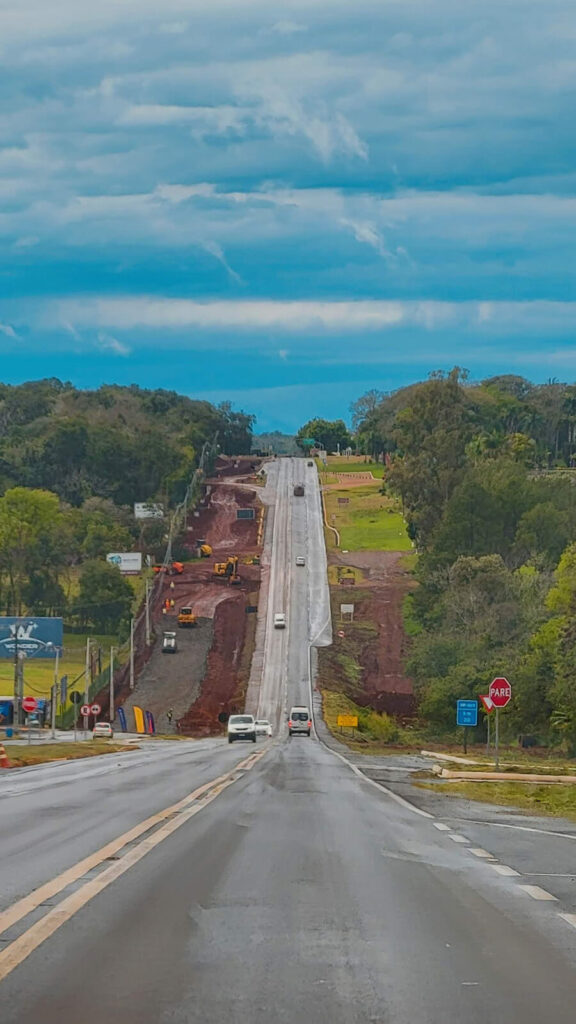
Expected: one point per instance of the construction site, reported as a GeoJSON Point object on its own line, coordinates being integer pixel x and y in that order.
{"type": "Point", "coordinates": [194, 671]}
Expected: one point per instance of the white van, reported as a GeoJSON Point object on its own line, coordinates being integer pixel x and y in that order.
{"type": "Point", "coordinates": [279, 620]}
{"type": "Point", "coordinates": [300, 720]}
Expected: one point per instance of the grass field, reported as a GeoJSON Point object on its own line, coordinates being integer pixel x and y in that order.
{"type": "Point", "coordinates": [20, 756]}
{"type": "Point", "coordinates": [367, 521]}
{"type": "Point", "coordinates": [341, 464]}
{"type": "Point", "coordinates": [39, 672]}
{"type": "Point", "coordinates": [556, 799]}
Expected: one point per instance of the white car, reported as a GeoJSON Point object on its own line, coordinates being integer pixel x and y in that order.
{"type": "Point", "coordinates": [300, 560]}
{"type": "Point", "coordinates": [241, 727]}
{"type": "Point", "coordinates": [102, 730]}
{"type": "Point", "coordinates": [263, 728]}
{"type": "Point", "coordinates": [279, 620]}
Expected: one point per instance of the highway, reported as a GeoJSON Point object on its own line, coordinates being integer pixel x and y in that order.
{"type": "Point", "coordinates": [280, 884]}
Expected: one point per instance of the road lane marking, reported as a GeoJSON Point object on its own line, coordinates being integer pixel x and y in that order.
{"type": "Point", "coordinates": [503, 869]}
{"type": "Point", "coordinates": [569, 918]}
{"type": "Point", "coordinates": [383, 789]}
{"type": "Point", "coordinates": [45, 892]}
{"type": "Point", "coordinates": [479, 852]}
{"type": "Point", "coordinates": [519, 828]}
{"type": "Point", "coordinates": [537, 893]}
{"type": "Point", "coordinates": [442, 827]}
{"type": "Point", "coordinates": [458, 839]}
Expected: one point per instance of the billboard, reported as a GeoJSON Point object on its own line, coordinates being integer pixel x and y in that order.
{"type": "Point", "coordinates": [129, 562]}
{"type": "Point", "coordinates": [148, 510]}
{"type": "Point", "coordinates": [30, 636]}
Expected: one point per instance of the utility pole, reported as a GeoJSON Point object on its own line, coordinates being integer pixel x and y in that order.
{"type": "Point", "coordinates": [87, 682]}
{"type": "Point", "coordinates": [131, 654]}
{"type": "Point", "coordinates": [16, 715]}
{"type": "Point", "coordinates": [112, 710]}
{"type": "Point", "coordinates": [55, 693]}
{"type": "Point", "coordinates": [148, 630]}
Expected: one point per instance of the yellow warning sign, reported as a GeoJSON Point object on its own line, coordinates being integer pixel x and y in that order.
{"type": "Point", "coordinates": [348, 721]}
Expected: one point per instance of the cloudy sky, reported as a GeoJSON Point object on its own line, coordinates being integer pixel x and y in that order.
{"type": "Point", "coordinates": [286, 204]}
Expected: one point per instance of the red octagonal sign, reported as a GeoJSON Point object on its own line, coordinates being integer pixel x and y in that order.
{"type": "Point", "coordinates": [500, 692]}
{"type": "Point", "coordinates": [29, 704]}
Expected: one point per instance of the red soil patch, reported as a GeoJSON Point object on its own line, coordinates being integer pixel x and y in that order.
{"type": "Point", "coordinates": [221, 680]}
{"type": "Point", "coordinates": [215, 520]}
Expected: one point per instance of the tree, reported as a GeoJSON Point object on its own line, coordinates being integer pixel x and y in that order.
{"type": "Point", "coordinates": [29, 527]}
{"type": "Point", "coordinates": [328, 434]}
{"type": "Point", "coordinates": [105, 597]}
{"type": "Point", "coordinates": [235, 430]}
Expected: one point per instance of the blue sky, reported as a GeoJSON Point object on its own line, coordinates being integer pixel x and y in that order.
{"type": "Point", "coordinates": [287, 204]}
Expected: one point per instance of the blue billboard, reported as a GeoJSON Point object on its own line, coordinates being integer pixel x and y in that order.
{"type": "Point", "coordinates": [30, 636]}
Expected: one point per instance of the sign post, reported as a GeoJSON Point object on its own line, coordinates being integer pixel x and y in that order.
{"type": "Point", "coordinates": [500, 694]}
{"type": "Point", "coordinates": [466, 716]}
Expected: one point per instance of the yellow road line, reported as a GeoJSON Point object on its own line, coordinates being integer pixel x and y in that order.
{"type": "Point", "coordinates": [45, 892]}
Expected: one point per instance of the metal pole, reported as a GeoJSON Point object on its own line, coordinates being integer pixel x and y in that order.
{"type": "Point", "coordinates": [487, 734]}
{"type": "Point", "coordinates": [148, 630]}
{"type": "Point", "coordinates": [16, 715]}
{"type": "Point", "coordinates": [497, 740]}
{"type": "Point", "coordinates": [87, 682]}
{"type": "Point", "coordinates": [112, 711]}
{"type": "Point", "coordinates": [131, 654]}
{"type": "Point", "coordinates": [55, 692]}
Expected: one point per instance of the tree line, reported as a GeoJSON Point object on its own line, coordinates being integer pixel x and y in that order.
{"type": "Point", "coordinates": [485, 474]}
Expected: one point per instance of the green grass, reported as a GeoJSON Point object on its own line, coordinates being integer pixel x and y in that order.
{"type": "Point", "coordinates": [554, 799]}
{"type": "Point", "coordinates": [39, 672]}
{"type": "Point", "coordinates": [20, 756]}
{"type": "Point", "coordinates": [368, 521]}
{"type": "Point", "coordinates": [338, 464]}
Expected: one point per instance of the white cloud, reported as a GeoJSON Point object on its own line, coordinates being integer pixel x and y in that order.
{"type": "Point", "coordinates": [108, 343]}
{"type": "Point", "coordinates": [287, 28]}
{"type": "Point", "coordinates": [8, 330]}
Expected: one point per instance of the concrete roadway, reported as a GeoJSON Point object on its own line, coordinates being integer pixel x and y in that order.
{"type": "Point", "coordinates": [303, 891]}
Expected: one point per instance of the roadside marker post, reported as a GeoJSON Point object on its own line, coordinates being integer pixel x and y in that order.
{"type": "Point", "coordinates": [488, 708]}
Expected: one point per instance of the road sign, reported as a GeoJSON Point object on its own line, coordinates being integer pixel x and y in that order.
{"type": "Point", "coordinates": [85, 710]}
{"type": "Point", "coordinates": [487, 702]}
{"type": "Point", "coordinates": [29, 704]}
{"type": "Point", "coordinates": [467, 712]}
{"type": "Point", "coordinates": [500, 692]}
{"type": "Point", "coordinates": [95, 709]}
{"type": "Point", "coordinates": [348, 721]}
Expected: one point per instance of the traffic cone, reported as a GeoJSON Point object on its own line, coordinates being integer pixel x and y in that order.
{"type": "Point", "coordinates": [4, 762]}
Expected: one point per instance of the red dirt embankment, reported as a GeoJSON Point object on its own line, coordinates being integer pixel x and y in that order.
{"type": "Point", "coordinates": [383, 684]}
{"type": "Point", "coordinates": [215, 520]}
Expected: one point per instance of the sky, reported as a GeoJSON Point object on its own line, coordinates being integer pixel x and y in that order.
{"type": "Point", "coordinates": [286, 204]}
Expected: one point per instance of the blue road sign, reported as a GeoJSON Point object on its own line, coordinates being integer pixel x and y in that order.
{"type": "Point", "coordinates": [467, 712]}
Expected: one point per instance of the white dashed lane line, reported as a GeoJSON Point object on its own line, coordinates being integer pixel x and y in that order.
{"type": "Point", "coordinates": [442, 827]}
{"type": "Point", "coordinates": [503, 869]}
{"type": "Point", "coordinates": [458, 839]}
{"type": "Point", "coordinates": [478, 852]}
{"type": "Point", "coordinates": [569, 918]}
{"type": "Point", "coordinates": [537, 893]}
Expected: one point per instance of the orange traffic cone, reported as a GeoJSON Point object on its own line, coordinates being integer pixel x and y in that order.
{"type": "Point", "coordinates": [4, 762]}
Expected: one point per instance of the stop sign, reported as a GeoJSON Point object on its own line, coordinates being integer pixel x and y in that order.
{"type": "Point", "coordinates": [29, 704]}
{"type": "Point", "coordinates": [500, 692]}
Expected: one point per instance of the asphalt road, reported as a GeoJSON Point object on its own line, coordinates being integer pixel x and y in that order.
{"type": "Point", "coordinates": [296, 889]}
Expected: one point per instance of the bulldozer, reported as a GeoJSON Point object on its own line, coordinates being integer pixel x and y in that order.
{"type": "Point", "coordinates": [227, 571]}
{"type": "Point", "coordinates": [186, 618]}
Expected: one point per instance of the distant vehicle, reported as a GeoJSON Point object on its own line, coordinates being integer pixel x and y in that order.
{"type": "Point", "coordinates": [186, 618]}
{"type": "Point", "coordinates": [300, 560]}
{"type": "Point", "coordinates": [279, 620]}
{"type": "Point", "coordinates": [263, 728]}
{"type": "Point", "coordinates": [298, 490]}
{"type": "Point", "coordinates": [299, 721]}
{"type": "Point", "coordinates": [310, 463]}
{"type": "Point", "coordinates": [33, 722]}
{"type": "Point", "coordinates": [176, 569]}
{"type": "Point", "coordinates": [102, 730]}
{"type": "Point", "coordinates": [241, 727]}
{"type": "Point", "coordinates": [169, 644]}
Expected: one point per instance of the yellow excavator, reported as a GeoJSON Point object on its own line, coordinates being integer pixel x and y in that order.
{"type": "Point", "coordinates": [203, 550]}
{"type": "Point", "coordinates": [227, 571]}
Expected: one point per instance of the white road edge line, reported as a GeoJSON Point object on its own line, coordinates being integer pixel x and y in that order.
{"type": "Point", "coordinates": [537, 893]}
{"type": "Point", "coordinates": [503, 869]}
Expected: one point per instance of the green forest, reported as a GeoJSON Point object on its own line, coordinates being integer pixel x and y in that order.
{"type": "Point", "coordinates": [72, 464]}
{"type": "Point", "coordinates": [485, 472]}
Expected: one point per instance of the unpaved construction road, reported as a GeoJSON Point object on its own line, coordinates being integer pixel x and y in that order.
{"type": "Point", "coordinates": [268, 883]}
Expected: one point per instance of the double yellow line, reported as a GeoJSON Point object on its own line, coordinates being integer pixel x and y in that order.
{"type": "Point", "coordinates": [169, 820]}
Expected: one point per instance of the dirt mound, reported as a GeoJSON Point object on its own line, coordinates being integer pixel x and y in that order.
{"type": "Point", "coordinates": [216, 521]}
{"type": "Point", "coordinates": [222, 680]}
{"type": "Point", "coordinates": [375, 640]}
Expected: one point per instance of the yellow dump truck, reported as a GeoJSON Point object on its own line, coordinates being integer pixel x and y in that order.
{"type": "Point", "coordinates": [186, 618]}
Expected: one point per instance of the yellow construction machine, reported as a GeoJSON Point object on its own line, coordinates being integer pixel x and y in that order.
{"type": "Point", "coordinates": [227, 571]}
{"type": "Point", "coordinates": [186, 618]}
